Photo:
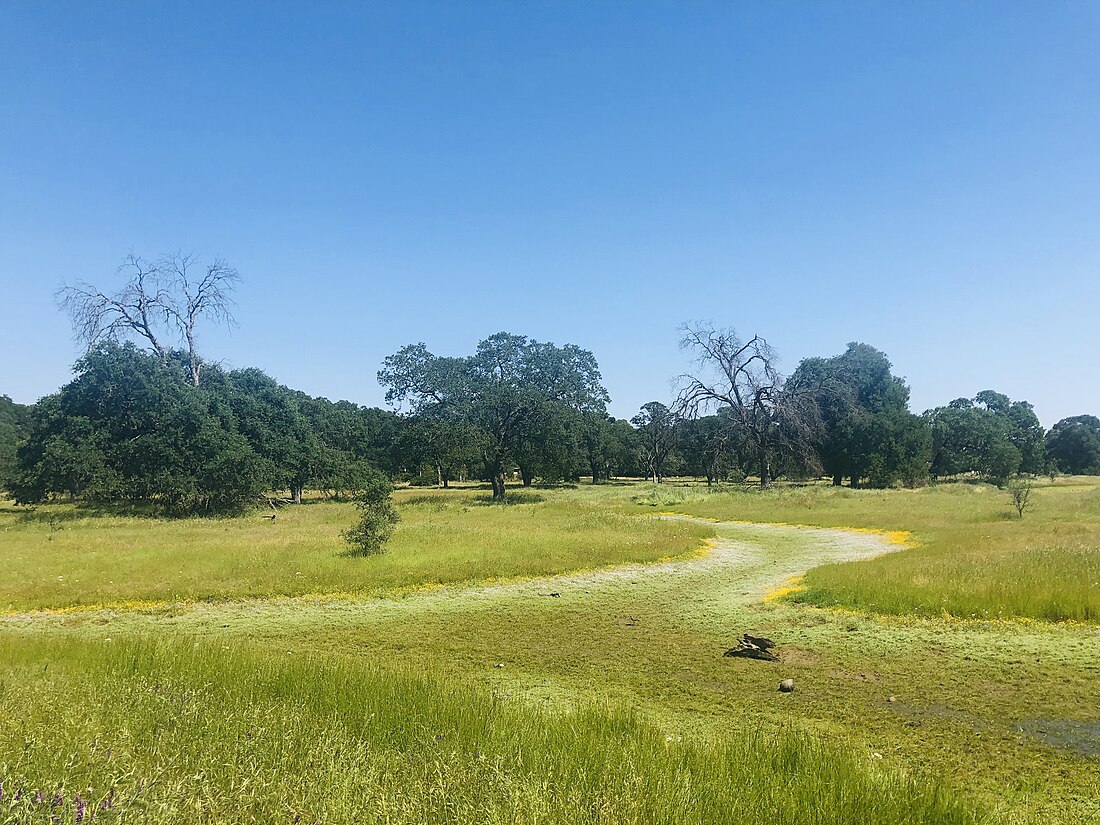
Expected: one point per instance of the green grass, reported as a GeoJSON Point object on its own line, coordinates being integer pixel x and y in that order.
{"type": "Point", "coordinates": [974, 557]}
{"type": "Point", "coordinates": [148, 732]}
{"type": "Point", "coordinates": [61, 556]}
{"type": "Point", "coordinates": [346, 694]}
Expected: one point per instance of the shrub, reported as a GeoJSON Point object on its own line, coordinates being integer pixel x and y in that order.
{"type": "Point", "coordinates": [377, 518]}
{"type": "Point", "coordinates": [1019, 488]}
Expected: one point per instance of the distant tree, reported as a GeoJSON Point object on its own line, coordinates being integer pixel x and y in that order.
{"type": "Point", "coordinates": [505, 391]}
{"type": "Point", "coordinates": [607, 446]}
{"type": "Point", "coordinates": [356, 435]}
{"type": "Point", "coordinates": [161, 304]}
{"type": "Point", "coordinates": [446, 446]}
{"type": "Point", "coordinates": [14, 425]}
{"type": "Point", "coordinates": [1073, 444]}
{"type": "Point", "coordinates": [656, 426]}
{"type": "Point", "coordinates": [1025, 431]}
{"type": "Point", "coordinates": [967, 438]}
{"type": "Point", "coordinates": [779, 424]}
{"type": "Point", "coordinates": [709, 446]}
{"type": "Point", "coordinates": [128, 428]}
{"type": "Point", "coordinates": [377, 517]}
{"type": "Point", "coordinates": [868, 432]}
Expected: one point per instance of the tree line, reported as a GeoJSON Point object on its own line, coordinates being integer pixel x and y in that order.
{"type": "Point", "coordinates": [147, 419]}
{"type": "Point", "coordinates": [131, 427]}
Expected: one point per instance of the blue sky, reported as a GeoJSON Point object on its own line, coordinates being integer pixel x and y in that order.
{"type": "Point", "coordinates": [923, 177]}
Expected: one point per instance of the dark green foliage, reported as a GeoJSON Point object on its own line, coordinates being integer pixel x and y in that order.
{"type": "Point", "coordinates": [129, 428]}
{"type": "Point", "coordinates": [268, 415]}
{"type": "Point", "coordinates": [439, 449]}
{"type": "Point", "coordinates": [868, 433]}
{"type": "Point", "coordinates": [14, 424]}
{"type": "Point", "coordinates": [989, 435]}
{"type": "Point", "coordinates": [1073, 444]}
{"type": "Point", "coordinates": [1024, 430]}
{"type": "Point", "coordinates": [606, 447]}
{"type": "Point", "coordinates": [132, 427]}
{"type": "Point", "coordinates": [658, 430]}
{"type": "Point", "coordinates": [514, 393]}
{"type": "Point", "coordinates": [712, 447]}
{"type": "Point", "coordinates": [377, 516]}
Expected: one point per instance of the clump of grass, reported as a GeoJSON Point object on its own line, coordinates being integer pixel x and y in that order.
{"type": "Point", "coordinates": [145, 732]}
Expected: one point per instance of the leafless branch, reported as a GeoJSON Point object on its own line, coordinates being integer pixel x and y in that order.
{"type": "Point", "coordinates": [158, 301]}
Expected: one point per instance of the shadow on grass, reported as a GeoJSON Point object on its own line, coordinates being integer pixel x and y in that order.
{"type": "Point", "coordinates": [515, 498]}
{"type": "Point", "coordinates": [56, 514]}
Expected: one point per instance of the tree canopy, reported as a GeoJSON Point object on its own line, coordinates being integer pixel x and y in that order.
{"type": "Point", "coordinates": [1073, 444]}
{"type": "Point", "coordinates": [988, 435]}
{"type": "Point", "coordinates": [508, 392]}
{"type": "Point", "coordinates": [136, 425]}
{"type": "Point", "coordinates": [867, 431]}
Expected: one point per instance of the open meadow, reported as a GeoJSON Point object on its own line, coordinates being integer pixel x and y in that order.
{"type": "Point", "coordinates": [558, 658]}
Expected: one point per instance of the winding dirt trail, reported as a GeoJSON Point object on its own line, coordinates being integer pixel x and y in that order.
{"type": "Point", "coordinates": [738, 568]}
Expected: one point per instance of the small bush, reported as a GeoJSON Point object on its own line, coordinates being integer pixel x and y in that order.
{"type": "Point", "coordinates": [1019, 488]}
{"type": "Point", "coordinates": [377, 520]}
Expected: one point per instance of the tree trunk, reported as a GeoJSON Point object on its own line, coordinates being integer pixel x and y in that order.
{"type": "Point", "coordinates": [193, 357]}
{"type": "Point", "coordinates": [855, 482]}
{"type": "Point", "coordinates": [595, 472]}
{"type": "Point", "coordinates": [765, 471]}
{"type": "Point", "coordinates": [838, 479]}
{"type": "Point", "coordinates": [527, 476]}
{"type": "Point", "coordinates": [439, 475]}
{"type": "Point", "coordinates": [494, 468]}
{"type": "Point", "coordinates": [296, 493]}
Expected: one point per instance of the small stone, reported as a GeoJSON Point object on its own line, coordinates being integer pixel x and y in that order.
{"type": "Point", "coordinates": [499, 664]}
{"type": "Point", "coordinates": [786, 686]}
{"type": "Point", "coordinates": [891, 698]}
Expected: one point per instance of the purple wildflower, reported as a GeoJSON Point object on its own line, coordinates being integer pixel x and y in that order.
{"type": "Point", "coordinates": [40, 797]}
{"type": "Point", "coordinates": [81, 805]}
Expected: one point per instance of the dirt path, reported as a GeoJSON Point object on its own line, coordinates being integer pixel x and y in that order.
{"type": "Point", "coordinates": [739, 567]}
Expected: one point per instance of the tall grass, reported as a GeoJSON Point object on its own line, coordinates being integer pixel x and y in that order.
{"type": "Point", "coordinates": [154, 732]}
{"type": "Point", "coordinates": [60, 556]}
{"type": "Point", "coordinates": [974, 557]}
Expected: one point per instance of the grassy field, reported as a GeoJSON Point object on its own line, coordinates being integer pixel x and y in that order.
{"type": "Point", "coordinates": [140, 732]}
{"type": "Point", "coordinates": [62, 556]}
{"type": "Point", "coordinates": [393, 699]}
{"type": "Point", "coordinates": [973, 556]}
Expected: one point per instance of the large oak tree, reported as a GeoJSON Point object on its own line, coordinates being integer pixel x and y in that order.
{"type": "Point", "coordinates": [504, 392]}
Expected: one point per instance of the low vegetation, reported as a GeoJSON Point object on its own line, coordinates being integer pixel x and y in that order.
{"type": "Point", "coordinates": [610, 702]}
{"type": "Point", "coordinates": [146, 732]}
{"type": "Point", "coordinates": [63, 555]}
{"type": "Point", "coordinates": [972, 556]}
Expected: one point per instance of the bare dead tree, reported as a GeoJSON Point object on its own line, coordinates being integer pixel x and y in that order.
{"type": "Point", "coordinates": [776, 420]}
{"type": "Point", "coordinates": [161, 303]}
{"type": "Point", "coordinates": [138, 309]}
{"type": "Point", "coordinates": [208, 296]}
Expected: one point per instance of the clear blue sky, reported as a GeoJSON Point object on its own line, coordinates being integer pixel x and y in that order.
{"type": "Point", "coordinates": [922, 176]}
